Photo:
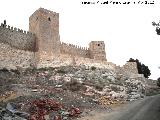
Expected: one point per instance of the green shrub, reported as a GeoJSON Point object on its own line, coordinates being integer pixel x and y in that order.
{"type": "Point", "coordinates": [99, 87]}
{"type": "Point", "coordinates": [15, 71]}
{"type": "Point", "coordinates": [93, 68]}
{"type": "Point", "coordinates": [4, 70]}
{"type": "Point", "coordinates": [158, 82]}
{"type": "Point", "coordinates": [74, 85]}
{"type": "Point", "coordinates": [61, 71]}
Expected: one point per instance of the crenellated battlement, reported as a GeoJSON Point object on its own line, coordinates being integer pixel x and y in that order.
{"type": "Point", "coordinates": [74, 50]}
{"type": "Point", "coordinates": [74, 46]}
{"type": "Point", "coordinates": [17, 38]}
{"type": "Point", "coordinates": [14, 29]}
{"type": "Point", "coordinates": [42, 43]}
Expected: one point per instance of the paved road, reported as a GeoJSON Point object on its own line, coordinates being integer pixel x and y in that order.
{"type": "Point", "coordinates": [146, 109]}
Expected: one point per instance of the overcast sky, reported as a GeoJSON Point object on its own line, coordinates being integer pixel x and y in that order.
{"type": "Point", "coordinates": [126, 29]}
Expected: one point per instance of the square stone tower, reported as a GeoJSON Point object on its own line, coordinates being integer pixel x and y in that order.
{"type": "Point", "coordinates": [97, 50]}
{"type": "Point", "coordinates": [45, 25]}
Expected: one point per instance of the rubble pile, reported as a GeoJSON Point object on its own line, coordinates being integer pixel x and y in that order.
{"type": "Point", "coordinates": [40, 109]}
{"type": "Point", "coordinates": [11, 113]}
{"type": "Point", "coordinates": [105, 100]}
{"type": "Point", "coordinates": [7, 95]}
{"type": "Point", "coordinates": [63, 93]}
{"type": "Point", "coordinates": [135, 89]}
{"type": "Point", "coordinates": [44, 108]}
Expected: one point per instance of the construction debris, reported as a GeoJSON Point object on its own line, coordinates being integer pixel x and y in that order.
{"type": "Point", "coordinates": [64, 93]}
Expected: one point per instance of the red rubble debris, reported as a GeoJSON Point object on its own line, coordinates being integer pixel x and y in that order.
{"type": "Point", "coordinates": [74, 112]}
{"type": "Point", "coordinates": [44, 107]}
{"type": "Point", "coordinates": [57, 118]}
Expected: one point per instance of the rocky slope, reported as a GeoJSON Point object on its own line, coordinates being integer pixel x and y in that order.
{"type": "Point", "coordinates": [85, 88]}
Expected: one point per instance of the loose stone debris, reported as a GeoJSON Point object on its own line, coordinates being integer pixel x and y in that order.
{"type": "Point", "coordinates": [64, 93]}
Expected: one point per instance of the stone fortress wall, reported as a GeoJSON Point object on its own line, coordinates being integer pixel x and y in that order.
{"type": "Point", "coordinates": [11, 58]}
{"type": "Point", "coordinates": [74, 50]}
{"type": "Point", "coordinates": [19, 48]}
{"type": "Point", "coordinates": [131, 67]}
{"type": "Point", "coordinates": [17, 38]}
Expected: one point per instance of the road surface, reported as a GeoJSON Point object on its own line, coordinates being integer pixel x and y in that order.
{"type": "Point", "coordinates": [144, 109]}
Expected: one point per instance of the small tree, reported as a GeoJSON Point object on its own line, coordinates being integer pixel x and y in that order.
{"type": "Point", "coordinates": [158, 82]}
{"type": "Point", "coordinates": [157, 27]}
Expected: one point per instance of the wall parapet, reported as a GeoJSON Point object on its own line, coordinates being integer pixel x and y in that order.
{"type": "Point", "coordinates": [43, 41]}
{"type": "Point", "coordinates": [74, 50]}
{"type": "Point", "coordinates": [129, 69]}
{"type": "Point", "coordinates": [15, 29]}
{"type": "Point", "coordinates": [11, 58]}
{"type": "Point", "coordinates": [17, 38]}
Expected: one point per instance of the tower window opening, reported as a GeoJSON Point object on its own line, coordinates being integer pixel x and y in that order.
{"type": "Point", "coordinates": [49, 19]}
{"type": "Point", "coordinates": [98, 44]}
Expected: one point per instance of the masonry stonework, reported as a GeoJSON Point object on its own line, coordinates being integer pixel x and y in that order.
{"type": "Point", "coordinates": [45, 25]}
{"type": "Point", "coordinates": [41, 46]}
{"type": "Point", "coordinates": [17, 38]}
{"type": "Point", "coordinates": [74, 50]}
{"type": "Point", "coordinates": [131, 67]}
{"type": "Point", "coordinates": [12, 58]}
{"type": "Point", "coordinates": [97, 50]}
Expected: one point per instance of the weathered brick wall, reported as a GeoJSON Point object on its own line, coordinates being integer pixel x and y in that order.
{"type": "Point", "coordinates": [45, 25]}
{"type": "Point", "coordinates": [61, 60]}
{"type": "Point", "coordinates": [66, 59]}
{"type": "Point", "coordinates": [11, 57]}
{"type": "Point", "coordinates": [74, 50]}
{"type": "Point", "coordinates": [44, 40]}
{"type": "Point", "coordinates": [17, 38]}
{"type": "Point", "coordinates": [97, 50]}
{"type": "Point", "coordinates": [93, 62]}
{"type": "Point", "coordinates": [131, 67]}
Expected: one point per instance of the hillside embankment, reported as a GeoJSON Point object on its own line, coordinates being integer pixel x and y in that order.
{"type": "Point", "coordinates": [65, 93]}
